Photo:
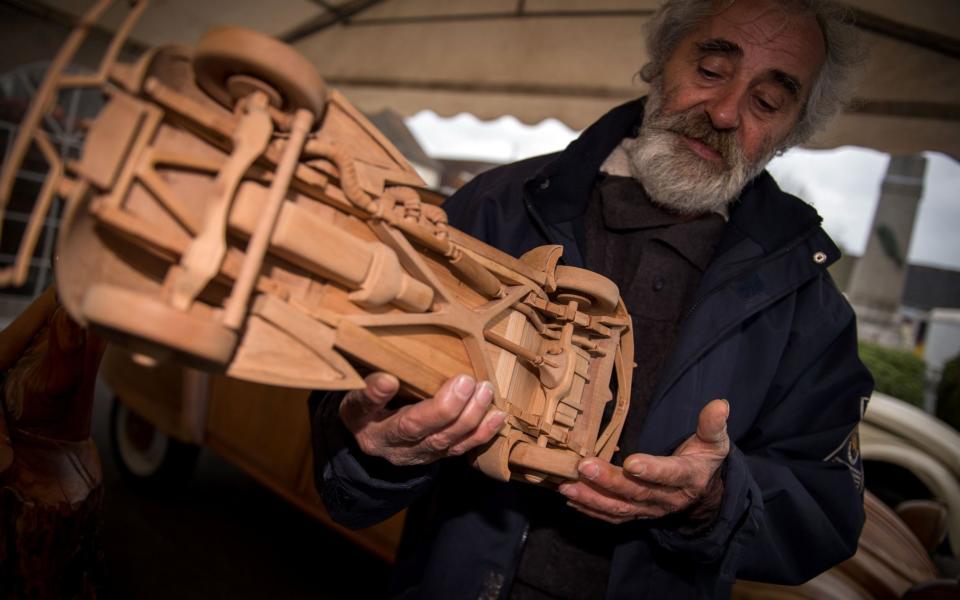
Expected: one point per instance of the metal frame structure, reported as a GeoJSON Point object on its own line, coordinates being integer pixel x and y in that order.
{"type": "Point", "coordinates": [66, 136]}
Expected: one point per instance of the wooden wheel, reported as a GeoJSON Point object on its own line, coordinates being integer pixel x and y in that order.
{"type": "Point", "coordinates": [139, 318]}
{"type": "Point", "coordinates": [598, 292]}
{"type": "Point", "coordinates": [228, 52]}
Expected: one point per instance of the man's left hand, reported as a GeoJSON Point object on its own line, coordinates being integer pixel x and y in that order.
{"type": "Point", "coordinates": [649, 487]}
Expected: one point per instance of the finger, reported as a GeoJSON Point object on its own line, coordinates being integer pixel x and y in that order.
{"type": "Point", "coordinates": [602, 474]}
{"type": "Point", "coordinates": [669, 471]}
{"type": "Point", "coordinates": [600, 501]}
{"type": "Point", "coordinates": [422, 453]}
{"type": "Point", "coordinates": [599, 515]}
{"type": "Point", "coordinates": [358, 405]}
{"type": "Point", "coordinates": [488, 428]}
{"type": "Point", "coordinates": [712, 422]}
{"type": "Point", "coordinates": [641, 514]}
{"type": "Point", "coordinates": [417, 421]}
{"type": "Point", "coordinates": [631, 490]}
{"type": "Point", "coordinates": [467, 421]}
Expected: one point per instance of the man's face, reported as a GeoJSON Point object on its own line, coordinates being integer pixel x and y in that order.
{"type": "Point", "coordinates": [728, 97]}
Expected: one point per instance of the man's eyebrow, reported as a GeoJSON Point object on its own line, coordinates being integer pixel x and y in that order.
{"type": "Point", "coordinates": [722, 46]}
{"type": "Point", "coordinates": [719, 46]}
{"type": "Point", "coordinates": [788, 82]}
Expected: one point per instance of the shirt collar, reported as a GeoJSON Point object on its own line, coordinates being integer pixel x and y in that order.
{"type": "Point", "coordinates": [626, 206]}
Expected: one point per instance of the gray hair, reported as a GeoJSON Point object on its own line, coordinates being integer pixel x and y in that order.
{"type": "Point", "coordinates": [835, 83]}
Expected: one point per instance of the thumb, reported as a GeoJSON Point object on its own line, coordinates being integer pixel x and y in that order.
{"type": "Point", "coordinates": [712, 423]}
{"type": "Point", "coordinates": [380, 389]}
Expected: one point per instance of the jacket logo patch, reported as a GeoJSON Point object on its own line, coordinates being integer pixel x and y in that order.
{"type": "Point", "coordinates": [848, 454]}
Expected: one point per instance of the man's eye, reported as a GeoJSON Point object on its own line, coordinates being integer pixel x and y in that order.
{"type": "Point", "coordinates": [707, 73]}
{"type": "Point", "coordinates": [766, 106]}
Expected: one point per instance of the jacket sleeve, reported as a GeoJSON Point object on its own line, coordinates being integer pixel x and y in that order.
{"type": "Point", "coordinates": [357, 490]}
{"type": "Point", "coordinates": [793, 485]}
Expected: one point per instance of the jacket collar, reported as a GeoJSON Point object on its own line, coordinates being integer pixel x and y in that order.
{"type": "Point", "coordinates": [561, 189]}
{"type": "Point", "coordinates": [559, 192]}
{"type": "Point", "coordinates": [768, 216]}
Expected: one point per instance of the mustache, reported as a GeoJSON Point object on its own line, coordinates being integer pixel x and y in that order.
{"type": "Point", "coordinates": [696, 125]}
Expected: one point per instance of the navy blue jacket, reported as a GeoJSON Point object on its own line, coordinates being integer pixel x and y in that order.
{"type": "Point", "coordinates": [768, 330]}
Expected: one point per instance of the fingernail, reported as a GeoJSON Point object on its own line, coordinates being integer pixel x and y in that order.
{"type": "Point", "coordinates": [589, 470]}
{"type": "Point", "coordinates": [635, 469]}
{"type": "Point", "coordinates": [463, 388]}
{"type": "Point", "coordinates": [485, 393]}
{"type": "Point", "coordinates": [568, 490]}
{"type": "Point", "coordinates": [499, 418]}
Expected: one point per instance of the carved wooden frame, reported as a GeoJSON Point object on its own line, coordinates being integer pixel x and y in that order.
{"type": "Point", "coordinates": [238, 216]}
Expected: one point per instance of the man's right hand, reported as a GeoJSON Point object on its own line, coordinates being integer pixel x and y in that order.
{"type": "Point", "coordinates": [451, 423]}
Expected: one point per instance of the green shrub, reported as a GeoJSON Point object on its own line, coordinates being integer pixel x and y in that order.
{"type": "Point", "coordinates": [948, 393]}
{"type": "Point", "coordinates": [898, 373]}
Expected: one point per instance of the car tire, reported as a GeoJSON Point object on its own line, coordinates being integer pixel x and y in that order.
{"type": "Point", "coordinates": [147, 458]}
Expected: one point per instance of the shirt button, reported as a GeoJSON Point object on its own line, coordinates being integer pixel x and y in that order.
{"type": "Point", "coordinates": [658, 284]}
{"type": "Point", "coordinates": [544, 184]}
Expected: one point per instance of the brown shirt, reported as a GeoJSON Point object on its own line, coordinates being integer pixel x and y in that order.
{"type": "Point", "coordinates": [656, 259]}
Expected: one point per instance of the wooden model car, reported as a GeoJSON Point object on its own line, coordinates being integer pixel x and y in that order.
{"type": "Point", "coordinates": [230, 212]}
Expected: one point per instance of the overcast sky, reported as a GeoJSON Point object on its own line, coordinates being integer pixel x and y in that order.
{"type": "Point", "coordinates": [843, 184]}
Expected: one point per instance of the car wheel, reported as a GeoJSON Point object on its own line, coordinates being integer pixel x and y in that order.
{"type": "Point", "coordinates": [146, 457]}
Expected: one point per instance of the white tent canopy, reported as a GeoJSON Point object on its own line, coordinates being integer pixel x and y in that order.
{"type": "Point", "coordinates": [567, 59]}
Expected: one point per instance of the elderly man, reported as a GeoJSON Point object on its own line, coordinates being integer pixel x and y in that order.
{"type": "Point", "coordinates": [738, 456]}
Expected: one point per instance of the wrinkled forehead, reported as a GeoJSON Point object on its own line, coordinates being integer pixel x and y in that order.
{"type": "Point", "coordinates": [770, 35]}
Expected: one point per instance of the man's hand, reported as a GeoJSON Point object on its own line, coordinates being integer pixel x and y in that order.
{"type": "Point", "coordinates": [649, 487]}
{"type": "Point", "coordinates": [451, 423]}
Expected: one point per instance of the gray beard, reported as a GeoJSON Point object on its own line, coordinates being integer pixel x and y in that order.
{"type": "Point", "coordinates": [679, 180]}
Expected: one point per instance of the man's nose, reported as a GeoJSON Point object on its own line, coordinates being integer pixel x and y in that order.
{"type": "Point", "coordinates": [724, 108]}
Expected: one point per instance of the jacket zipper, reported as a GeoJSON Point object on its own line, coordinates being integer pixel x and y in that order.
{"type": "Point", "coordinates": [505, 589]}
{"type": "Point", "coordinates": [538, 220]}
